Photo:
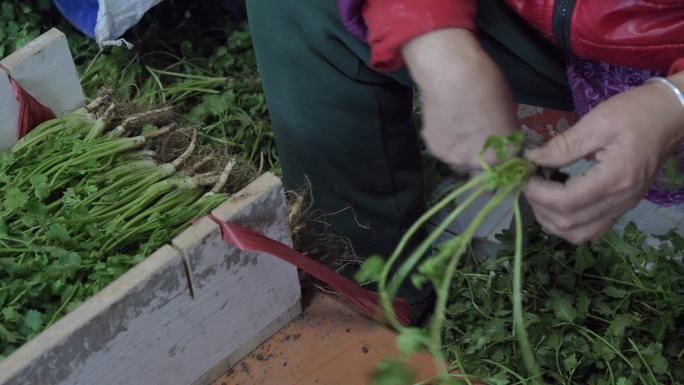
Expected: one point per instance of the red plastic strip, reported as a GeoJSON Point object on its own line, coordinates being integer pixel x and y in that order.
{"type": "Point", "coordinates": [31, 111]}
{"type": "Point", "coordinates": [366, 301]}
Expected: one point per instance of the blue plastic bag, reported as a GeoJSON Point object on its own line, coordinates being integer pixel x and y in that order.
{"type": "Point", "coordinates": [104, 20]}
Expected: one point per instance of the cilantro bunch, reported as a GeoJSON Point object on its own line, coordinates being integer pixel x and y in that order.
{"type": "Point", "coordinates": [82, 200]}
{"type": "Point", "coordinates": [440, 269]}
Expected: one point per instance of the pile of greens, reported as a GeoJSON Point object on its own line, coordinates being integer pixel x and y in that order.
{"type": "Point", "coordinates": [84, 198]}
{"type": "Point", "coordinates": [18, 26]}
{"type": "Point", "coordinates": [62, 236]}
{"type": "Point", "coordinates": [542, 311]}
{"type": "Point", "coordinates": [196, 56]}
{"type": "Point", "coordinates": [610, 312]}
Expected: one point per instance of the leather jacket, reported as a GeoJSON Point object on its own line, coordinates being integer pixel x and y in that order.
{"type": "Point", "coordinates": [640, 33]}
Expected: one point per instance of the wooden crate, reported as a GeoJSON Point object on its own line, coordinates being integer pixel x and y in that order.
{"type": "Point", "coordinates": [185, 314]}
{"type": "Point", "coordinates": [46, 70]}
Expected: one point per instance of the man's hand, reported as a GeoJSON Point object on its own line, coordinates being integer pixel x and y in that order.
{"type": "Point", "coordinates": [631, 134]}
{"type": "Point", "coordinates": [465, 97]}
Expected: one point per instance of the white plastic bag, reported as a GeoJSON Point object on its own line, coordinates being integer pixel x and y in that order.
{"type": "Point", "coordinates": [115, 17]}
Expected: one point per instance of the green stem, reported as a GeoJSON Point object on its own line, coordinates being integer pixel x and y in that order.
{"type": "Point", "coordinates": [443, 289]}
{"type": "Point", "coordinates": [518, 318]}
{"type": "Point", "coordinates": [63, 305]}
{"type": "Point", "coordinates": [643, 361]}
{"type": "Point", "coordinates": [385, 297]}
{"type": "Point", "coordinates": [14, 250]}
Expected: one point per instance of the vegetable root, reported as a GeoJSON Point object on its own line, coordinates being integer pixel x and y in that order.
{"type": "Point", "coordinates": [96, 103]}
{"type": "Point", "coordinates": [133, 120]}
{"type": "Point", "coordinates": [223, 178]}
{"type": "Point", "coordinates": [186, 154]}
{"type": "Point", "coordinates": [201, 163]}
{"type": "Point", "coordinates": [160, 132]}
{"type": "Point", "coordinates": [206, 179]}
{"type": "Point", "coordinates": [109, 113]}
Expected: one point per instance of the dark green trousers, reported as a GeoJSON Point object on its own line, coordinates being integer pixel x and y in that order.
{"type": "Point", "coordinates": [349, 129]}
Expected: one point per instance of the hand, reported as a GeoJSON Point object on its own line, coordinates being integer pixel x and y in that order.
{"type": "Point", "coordinates": [631, 134]}
{"type": "Point", "coordinates": [465, 97]}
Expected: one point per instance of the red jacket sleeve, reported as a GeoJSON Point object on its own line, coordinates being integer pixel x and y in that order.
{"type": "Point", "coordinates": [677, 66]}
{"type": "Point", "coordinates": [392, 23]}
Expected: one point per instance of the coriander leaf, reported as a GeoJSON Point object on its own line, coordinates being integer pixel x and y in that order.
{"type": "Point", "coordinates": [584, 259]}
{"type": "Point", "coordinates": [40, 186]}
{"type": "Point", "coordinates": [393, 373]}
{"type": "Point", "coordinates": [10, 314]}
{"type": "Point", "coordinates": [14, 199]}
{"type": "Point", "coordinates": [7, 335]}
{"type": "Point", "coordinates": [602, 350]}
{"type": "Point", "coordinates": [583, 302]}
{"type": "Point", "coordinates": [619, 324]}
{"type": "Point", "coordinates": [555, 339]}
{"type": "Point", "coordinates": [418, 280]}
{"type": "Point", "coordinates": [410, 340]}
{"type": "Point", "coordinates": [33, 321]}
{"type": "Point", "coordinates": [70, 259]}
{"type": "Point", "coordinates": [615, 292]}
{"type": "Point", "coordinates": [91, 189]}
{"type": "Point", "coordinates": [70, 198]}
{"type": "Point", "coordinates": [58, 232]}
{"type": "Point", "coordinates": [370, 270]}
{"type": "Point", "coordinates": [563, 309]}
{"type": "Point", "coordinates": [570, 363]}
{"type": "Point", "coordinates": [659, 364]}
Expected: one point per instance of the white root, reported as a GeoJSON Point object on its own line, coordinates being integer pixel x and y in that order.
{"type": "Point", "coordinates": [133, 119]}
{"type": "Point", "coordinates": [188, 151]}
{"type": "Point", "coordinates": [96, 103]}
{"type": "Point", "coordinates": [117, 132]}
{"type": "Point", "coordinates": [140, 154]}
{"type": "Point", "coordinates": [109, 114]}
{"type": "Point", "coordinates": [206, 179]}
{"type": "Point", "coordinates": [223, 178]}
{"type": "Point", "coordinates": [201, 163]}
{"type": "Point", "coordinates": [160, 132]}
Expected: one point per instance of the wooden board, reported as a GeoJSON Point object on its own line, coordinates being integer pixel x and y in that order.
{"type": "Point", "coordinates": [330, 344]}
{"type": "Point", "coordinates": [9, 113]}
{"type": "Point", "coordinates": [46, 70]}
{"type": "Point", "coordinates": [145, 328]}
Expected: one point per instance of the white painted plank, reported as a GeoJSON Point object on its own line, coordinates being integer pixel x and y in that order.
{"type": "Point", "coordinates": [94, 327]}
{"type": "Point", "coordinates": [45, 69]}
{"type": "Point", "coordinates": [9, 113]}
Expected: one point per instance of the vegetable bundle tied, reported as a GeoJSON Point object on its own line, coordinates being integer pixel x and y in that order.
{"type": "Point", "coordinates": [80, 205]}
{"type": "Point", "coordinates": [503, 180]}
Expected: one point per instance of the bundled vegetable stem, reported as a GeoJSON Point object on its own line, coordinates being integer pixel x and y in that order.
{"type": "Point", "coordinates": [504, 179]}
{"type": "Point", "coordinates": [81, 202]}
{"type": "Point", "coordinates": [606, 313]}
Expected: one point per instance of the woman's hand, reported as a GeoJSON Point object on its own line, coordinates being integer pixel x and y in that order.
{"type": "Point", "coordinates": [631, 134]}
{"type": "Point", "coordinates": [465, 97]}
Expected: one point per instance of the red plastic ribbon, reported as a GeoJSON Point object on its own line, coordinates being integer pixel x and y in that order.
{"type": "Point", "coordinates": [366, 301]}
{"type": "Point", "coordinates": [31, 111]}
